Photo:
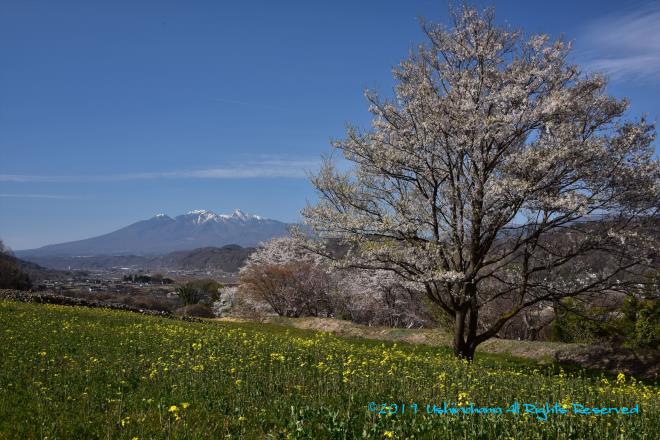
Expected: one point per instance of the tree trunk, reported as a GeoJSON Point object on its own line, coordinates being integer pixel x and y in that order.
{"type": "Point", "coordinates": [464, 347]}
{"type": "Point", "coordinates": [459, 332]}
{"type": "Point", "coordinates": [466, 352]}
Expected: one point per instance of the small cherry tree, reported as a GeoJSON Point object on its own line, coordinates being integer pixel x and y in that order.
{"type": "Point", "coordinates": [293, 281]}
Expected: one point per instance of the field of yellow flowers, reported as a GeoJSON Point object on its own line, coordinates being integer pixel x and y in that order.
{"type": "Point", "coordinates": [78, 373]}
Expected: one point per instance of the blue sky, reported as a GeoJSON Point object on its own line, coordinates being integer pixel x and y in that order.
{"type": "Point", "coordinates": [113, 111]}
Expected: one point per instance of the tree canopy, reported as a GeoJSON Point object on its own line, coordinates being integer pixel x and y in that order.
{"type": "Point", "coordinates": [500, 174]}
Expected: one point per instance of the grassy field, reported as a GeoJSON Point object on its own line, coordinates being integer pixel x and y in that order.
{"type": "Point", "coordinates": [539, 351]}
{"type": "Point", "coordinates": [78, 373]}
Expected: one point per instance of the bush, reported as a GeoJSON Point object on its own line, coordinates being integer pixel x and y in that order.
{"type": "Point", "coordinates": [577, 322]}
{"type": "Point", "coordinates": [641, 322]}
{"type": "Point", "coordinates": [634, 324]}
{"type": "Point", "coordinates": [204, 290]}
{"type": "Point", "coordinates": [189, 294]}
{"type": "Point", "coordinates": [207, 287]}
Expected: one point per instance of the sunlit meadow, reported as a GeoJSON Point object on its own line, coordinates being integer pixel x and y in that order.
{"type": "Point", "coordinates": [74, 373]}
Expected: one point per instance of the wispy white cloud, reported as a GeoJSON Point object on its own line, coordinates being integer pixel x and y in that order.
{"type": "Point", "coordinates": [257, 169]}
{"type": "Point", "coordinates": [624, 46]}
{"type": "Point", "coordinates": [43, 196]}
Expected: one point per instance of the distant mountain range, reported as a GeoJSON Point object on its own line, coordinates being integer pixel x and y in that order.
{"type": "Point", "coordinates": [163, 234]}
{"type": "Point", "coordinates": [227, 259]}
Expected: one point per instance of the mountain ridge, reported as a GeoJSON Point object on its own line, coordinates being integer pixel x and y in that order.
{"type": "Point", "coordinates": [227, 258]}
{"type": "Point", "coordinates": [162, 234]}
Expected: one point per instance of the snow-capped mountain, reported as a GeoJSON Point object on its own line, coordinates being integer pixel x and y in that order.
{"type": "Point", "coordinates": [162, 234]}
{"type": "Point", "coordinates": [199, 216]}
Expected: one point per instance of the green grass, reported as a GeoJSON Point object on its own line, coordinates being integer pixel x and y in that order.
{"type": "Point", "coordinates": [78, 373]}
{"type": "Point", "coordinates": [540, 351]}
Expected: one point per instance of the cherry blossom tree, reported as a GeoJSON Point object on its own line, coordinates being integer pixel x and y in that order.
{"type": "Point", "coordinates": [291, 280]}
{"type": "Point", "coordinates": [499, 171]}
{"type": "Point", "coordinates": [378, 297]}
